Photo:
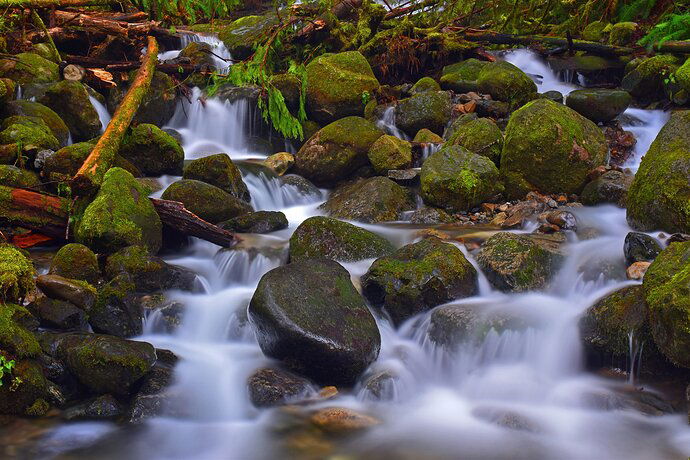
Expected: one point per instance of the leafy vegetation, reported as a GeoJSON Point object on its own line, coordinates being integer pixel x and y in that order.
{"type": "Point", "coordinates": [191, 10]}
{"type": "Point", "coordinates": [673, 27]}
{"type": "Point", "coordinates": [6, 367]}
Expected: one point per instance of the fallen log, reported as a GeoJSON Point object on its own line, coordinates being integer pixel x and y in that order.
{"type": "Point", "coordinates": [176, 216]}
{"type": "Point", "coordinates": [124, 66]}
{"type": "Point", "coordinates": [110, 26]}
{"type": "Point", "coordinates": [90, 175]}
{"type": "Point", "coordinates": [55, 3]}
{"type": "Point", "coordinates": [679, 47]}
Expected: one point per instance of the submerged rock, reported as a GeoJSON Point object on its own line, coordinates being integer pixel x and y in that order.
{"type": "Point", "coordinates": [218, 170]}
{"type": "Point", "coordinates": [153, 151]}
{"type": "Point", "coordinates": [322, 329]}
{"type": "Point", "coordinates": [206, 201]}
{"type": "Point", "coordinates": [373, 200]}
{"type": "Point", "coordinates": [275, 387]}
{"type": "Point", "coordinates": [418, 277]}
{"type": "Point", "coordinates": [99, 408]}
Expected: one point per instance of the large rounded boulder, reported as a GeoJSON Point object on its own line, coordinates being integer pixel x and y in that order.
{"type": "Point", "coordinates": [153, 151]}
{"type": "Point", "coordinates": [481, 136]}
{"type": "Point", "coordinates": [645, 79]}
{"type": "Point", "coordinates": [70, 100]}
{"type": "Point", "coordinates": [417, 277]}
{"type": "Point", "coordinates": [218, 170]}
{"type": "Point", "coordinates": [458, 180]}
{"type": "Point", "coordinates": [431, 110]}
{"type": "Point", "coordinates": [337, 85]}
{"type": "Point", "coordinates": [29, 68]}
{"type": "Point", "coordinates": [22, 107]}
{"type": "Point", "coordinates": [550, 148]}
{"type": "Point", "coordinates": [76, 261]}
{"type": "Point", "coordinates": [377, 199]}
{"type": "Point", "coordinates": [660, 192]}
{"type": "Point", "coordinates": [309, 316]}
{"type": "Point", "coordinates": [598, 104]}
{"type": "Point", "coordinates": [505, 82]}
{"type": "Point", "coordinates": [390, 152]}
{"type": "Point", "coordinates": [337, 150]}
{"type": "Point", "coordinates": [333, 239]}
{"type": "Point", "coordinates": [206, 201]}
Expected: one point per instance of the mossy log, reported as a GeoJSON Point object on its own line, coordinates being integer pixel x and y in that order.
{"type": "Point", "coordinates": [55, 3]}
{"type": "Point", "coordinates": [90, 175]}
{"type": "Point", "coordinates": [676, 47]}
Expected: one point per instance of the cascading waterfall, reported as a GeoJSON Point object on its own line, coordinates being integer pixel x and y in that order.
{"type": "Point", "coordinates": [103, 114]}
{"type": "Point", "coordinates": [387, 124]}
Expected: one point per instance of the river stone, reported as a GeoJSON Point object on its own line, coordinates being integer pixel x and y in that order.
{"type": "Point", "coordinates": [23, 107]}
{"type": "Point", "coordinates": [644, 79]}
{"type": "Point", "coordinates": [120, 215]}
{"type": "Point", "coordinates": [431, 110]}
{"type": "Point", "coordinates": [425, 136]}
{"type": "Point", "coordinates": [106, 364]}
{"type": "Point", "coordinates": [28, 395]}
{"type": "Point", "coordinates": [301, 185]}
{"type": "Point", "coordinates": [16, 274]}
{"type": "Point", "coordinates": [336, 85]}
{"type": "Point", "coordinates": [16, 326]}
{"type": "Point", "coordinates": [517, 263]}
{"type": "Point", "coordinates": [429, 215]}
{"type": "Point", "coordinates": [70, 100]}
{"type": "Point", "coordinates": [62, 165]}
{"type": "Point", "coordinates": [12, 176]}
{"type": "Point", "coordinates": [425, 84]}
{"type": "Point", "coordinates": [659, 195]}
{"type": "Point", "coordinates": [79, 293]}
{"type": "Point", "coordinates": [505, 82]}
{"type": "Point", "coordinates": [418, 277]}
{"type": "Point", "coordinates": [99, 408]}
{"type": "Point", "coordinates": [76, 261]}
{"type": "Point", "coordinates": [598, 104]}
{"type": "Point", "coordinates": [390, 152]}
{"type": "Point", "coordinates": [373, 200]}
{"type": "Point", "coordinates": [153, 151]}
{"type": "Point", "coordinates": [323, 329]}
{"type": "Point", "coordinates": [330, 238]}
{"type": "Point", "coordinates": [666, 291]}
{"type": "Point", "coordinates": [458, 180]}
{"type": "Point", "coordinates": [117, 311]}
{"type": "Point", "coordinates": [256, 222]}
{"type": "Point", "coordinates": [58, 314]}
{"type": "Point", "coordinates": [280, 162]}
{"type": "Point", "coordinates": [29, 68]}
{"type": "Point", "coordinates": [206, 201]}
{"type": "Point", "coordinates": [550, 148]}
{"type": "Point", "coordinates": [610, 187]}
{"type": "Point", "coordinates": [270, 387]}
{"type": "Point", "coordinates": [640, 247]}
{"type": "Point", "coordinates": [198, 54]}
{"type": "Point", "coordinates": [29, 133]}
{"type": "Point", "coordinates": [336, 151]}
{"type": "Point", "coordinates": [481, 136]}
{"type": "Point", "coordinates": [218, 170]}
{"type": "Point", "coordinates": [462, 76]}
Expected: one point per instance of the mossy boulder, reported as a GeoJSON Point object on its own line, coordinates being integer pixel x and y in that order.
{"type": "Point", "coordinates": [515, 262]}
{"type": "Point", "coordinates": [595, 31]}
{"type": "Point", "coordinates": [431, 110]}
{"type": "Point", "coordinates": [458, 180]}
{"type": "Point", "coordinates": [25, 390]}
{"type": "Point", "coordinates": [598, 104]}
{"type": "Point", "coordinates": [462, 76]}
{"type": "Point", "coordinates": [425, 84]}
{"type": "Point", "coordinates": [120, 215]}
{"type": "Point", "coordinates": [682, 82]}
{"type": "Point", "coordinates": [481, 136]}
{"type": "Point", "coordinates": [505, 82]}
{"type": "Point", "coordinates": [206, 201]}
{"type": "Point", "coordinates": [23, 107]}
{"type": "Point", "coordinates": [377, 199]}
{"type": "Point", "coordinates": [666, 288]}
{"type": "Point", "coordinates": [610, 187]}
{"type": "Point", "coordinates": [117, 311]}
{"type": "Point", "coordinates": [198, 54]}
{"type": "Point", "coordinates": [158, 105]}
{"type": "Point", "coordinates": [257, 222]}
{"type": "Point", "coordinates": [70, 100]}
{"type": "Point", "coordinates": [16, 274]}
{"type": "Point", "coordinates": [390, 152]}
{"type": "Point", "coordinates": [550, 148]}
{"type": "Point", "coordinates": [29, 68]}
{"type": "Point", "coordinates": [15, 336]}
{"type": "Point", "coordinates": [623, 33]}
{"type": "Point", "coordinates": [240, 35]}
{"type": "Point", "coordinates": [417, 277]}
{"type": "Point", "coordinates": [153, 151]}
{"type": "Point", "coordinates": [336, 240]}
{"type": "Point", "coordinates": [308, 315]}
{"type": "Point", "coordinates": [659, 197]}
{"type": "Point", "coordinates": [337, 150]}
{"type": "Point", "coordinates": [106, 364]}
{"type": "Point", "coordinates": [76, 261]}
{"type": "Point", "coordinates": [426, 136]}
{"type": "Point", "coordinates": [11, 176]}
{"type": "Point", "coordinates": [337, 85]}
{"type": "Point", "coordinates": [64, 164]}
{"type": "Point", "coordinates": [80, 293]}
{"type": "Point", "coordinates": [218, 170]}
{"type": "Point", "coordinates": [29, 133]}
{"type": "Point", "coordinates": [645, 79]}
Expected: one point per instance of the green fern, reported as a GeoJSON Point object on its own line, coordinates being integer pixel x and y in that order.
{"type": "Point", "coordinates": [673, 27]}
{"type": "Point", "coordinates": [638, 9]}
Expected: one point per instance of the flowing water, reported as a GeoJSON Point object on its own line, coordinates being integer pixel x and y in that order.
{"type": "Point", "coordinates": [519, 393]}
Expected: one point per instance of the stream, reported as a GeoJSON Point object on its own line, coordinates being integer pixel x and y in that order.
{"type": "Point", "coordinates": [515, 394]}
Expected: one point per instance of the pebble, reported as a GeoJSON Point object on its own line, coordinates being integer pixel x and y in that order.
{"type": "Point", "coordinates": [637, 270]}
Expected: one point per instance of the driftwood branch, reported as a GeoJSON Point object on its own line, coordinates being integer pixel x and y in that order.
{"type": "Point", "coordinates": [176, 216]}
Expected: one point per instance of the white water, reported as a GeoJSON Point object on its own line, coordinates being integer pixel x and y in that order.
{"type": "Point", "coordinates": [440, 403]}
{"type": "Point", "coordinates": [103, 114]}
{"type": "Point", "coordinates": [221, 55]}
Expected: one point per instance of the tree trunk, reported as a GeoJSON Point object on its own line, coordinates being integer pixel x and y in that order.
{"type": "Point", "coordinates": [109, 26]}
{"type": "Point", "coordinates": [90, 175]}
{"type": "Point", "coordinates": [175, 215]}
{"type": "Point", "coordinates": [46, 214]}
{"type": "Point", "coordinates": [679, 47]}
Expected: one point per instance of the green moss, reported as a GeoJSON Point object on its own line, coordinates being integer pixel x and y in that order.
{"type": "Point", "coordinates": [218, 170]}
{"type": "Point", "coordinates": [206, 201]}
{"type": "Point", "coordinates": [426, 136]}
{"type": "Point", "coordinates": [623, 33]}
{"type": "Point", "coordinates": [11, 176]}
{"type": "Point", "coordinates": [29, 68]}
{"type": "Point", "coordinates": [16, 274]}
{"type": "Point", "coordinates": [28, 132]}
{"type": "Point", "coordinates": [377, 199]}
{"type": "Point", "coordinates": [481, 136]}
{"type": "Point", "coordinates": [77, 262]}
{"type": "Point", "coordinates": [645, 79]}
{"type": "Point", "coordinates": [389, 152]}
{"type": "Point", "coordinates": [594, 32]}
{"type": "Point", "coordinates": [462, 76]}
{"type": "Point", "coordinates": [153, 151]}
{"type": "Point", "coordinates": [70, 100]}
{"type": "Point", "coordinates": [431, 110]}
{"type": "Point", "coordinates": [24, 396]}
{"type": "Point", "coordinates": [505, 82]}
{"type": "Point", "coordinates": [14, 337]}
{"type": "Point", "coordinates": [425, 84]}
{"type": "Point", "coordinates": [34, 109]}
{"type": "Point", "coordinates": [65, 163]}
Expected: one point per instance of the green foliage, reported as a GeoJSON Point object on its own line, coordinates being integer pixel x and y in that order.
{"type": "Point", "coordinates": [638, 9]}
{"type": "Point", "coordinates": [6, 367]}
{"type": "Point", "coordinates": [193, 10]}
{"type": "Point", "coordinates": [673, 27]}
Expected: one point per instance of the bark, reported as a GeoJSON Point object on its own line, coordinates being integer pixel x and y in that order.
{"type": "Point", "coordinates": [55, 3]}
{"type": "Point", "coordinates": [90, 175]}
{"type": "Point", "coordinates": [38, 22]}
{"type": "Point", "coordinates": [46, 214]}
{"type": "Point", "coordinates": [680, 47]}
{"type": "Point", "coordinates": [109, 26]}
{"type": "Point", "coordinates": [175, 215]}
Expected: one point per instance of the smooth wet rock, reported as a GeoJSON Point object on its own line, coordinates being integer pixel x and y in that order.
{"type": "Point", "coordinates": [59, 314]}
{"type": "Point", "coordinates": [640, 247]}
{"type": "Point", "coordinates": [153, 151]}
{"type": "Point", "coordinates": [505, 82]}
{"type": "Point", "coordinates": [599, 105]}
{"type": "Point", "coordinates": [116, 311]}
{"type": "Point", "coordinates": [16, 273]}
{"type": "Point", "coordinates": [610, 187]}
{"type": "Point", "coordinates": [280, 162]}
{"type": "Point", "coordinates": [270, 387]}
{"type": "Point", "coordinates": [373, 200]}
{"type": "Point", "coordinates": [481, 136]}
{"type": "Point", "coordinates": [336, 240]}
{"type": "Point", "coordinates": [322, 329]}
{"type": "Point", "coordinates": [220, 171]}
{"type": "Point", "coordinates": [257, 222]}
{"type": "Point", "coordinates": [70, 100]}
{"type": "Point", "coordinates": [300, 184]}
{"type": "Point", "coordinates": [431, 110]}
{"type": "Point", "coordinates": [417, 277]}
{"type": "Point", "coordinates": [79, 293]}
{"type": "Point", "coordinates": [76, 261]}
{"type": "Point", "coordinates": [198, 54]}
{"type": "Point", "coordinates": [99, 408]}
{"type": "Point", "coordinates": [389, 152]}
{"type": "Point", "coordinates": [206, 201]}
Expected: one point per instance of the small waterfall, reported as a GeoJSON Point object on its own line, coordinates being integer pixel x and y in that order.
{"type": "Point", "coordinates": [270, 194]}
{"type": "Point", "coordinates": [387, 124]}
{"type": "Point", "coordinates": [221, 56]}
{"type": "Point", "coordinates": [533, 65]}
{"type": "Point", "coordinates": [645, 125]}
{"type": "Point", "coordinates": [103, 114]}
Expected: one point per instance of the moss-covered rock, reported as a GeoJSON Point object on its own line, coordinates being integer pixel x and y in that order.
{"type": "Point", "coordinates": [336, 151]}
{"type": "Point", "coordinates": [377, 199]}
{"type": "Point", "coordinates": [505, 82]}
{"type": "Point", "coordinates": [120, 215]}
{"type": "Point", "coordinates": [23, 107]}
{"type": "Point", "coordinates": [666, 290]}
{"type": "Point", "coordinates": [462, 76]}
{"type": "Point", "coordinates": [153, 151]}
{"type": "Point", "coordinates": [80, 293]}
{"type": "Point", "coordinates": [431, 110]}
{"type": "Point", "coordinates": [59, 314]}
{"type": "Point", "coordinates": [337, 240]}
{"type": "Point", "coordinates": [595, 31]}
{"type": "Point", "coordinates": [514, 262]}
{"type": "Point", "coordinates": [458, 180]}
{"type": "Point", "coordinates": [11, 176]}
{"type": "Point", "coordinates": [117, 311]}
{"type": "Point", "coordinates": [218, 170]}
{"type": "Point", "coordinates": [239, 36]}
{"type": "Point", "coordinates": [623, 33]}
{"type": "Point", "coordinates": [425, 84]}
{"type": "Point", "coordinates": [64, 164]}
{"type": "Point", "coordinates": [645, 79]}
{"type": "Point", "coordinates": [76, 261]}
{"type": "Point", "coordinates": [106, 364]}
{"type": "Point", "coordinates": [337, 85]}
{"type": "Point", "coordinates": [390, 152]}
{"type": "Point", "coordinates": [417, 277]}
{"type": "Point", "coordinates": [29, 133]}
{"type": "Point", "coordinates": [659, 197]}
{"type": "Point", "coordinates": [550, 148]}
{"type": "Point", "coordinates": [16, 274]}
{"type": "Point", "coordinates": [598, 104]}
{"type": "Point", "coordinates": [70, 100]}
{"type": "Point", "coordinates": [257, 222]}
{"type": "Point", "coordinates": [308, 315]}
{"type": "Point", "coordinates": [426, 136]}
{"type": "Point", "coordinates": [206, 201]}
{"type": "Point", "coordinates": [481, 136]}
{"type": "Point", "coordinates": [682, 82]}
{"type": "Point", "coordinates": [158, 105]}
{"type": "Point", "coordinates": [15, 338]}
{"type": "Point", "coordinates": [427, 215]}
{"type": "Point", "coordinates": [24, 390]}
{"type": "Point", "coordinates": [280, 162]}
{"type": "Point", "coordinates": [610, 187]}
{"type": "Point", "coordinates": [29, 68]}
{"type": "Point", "coordinates": [198, 54]}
